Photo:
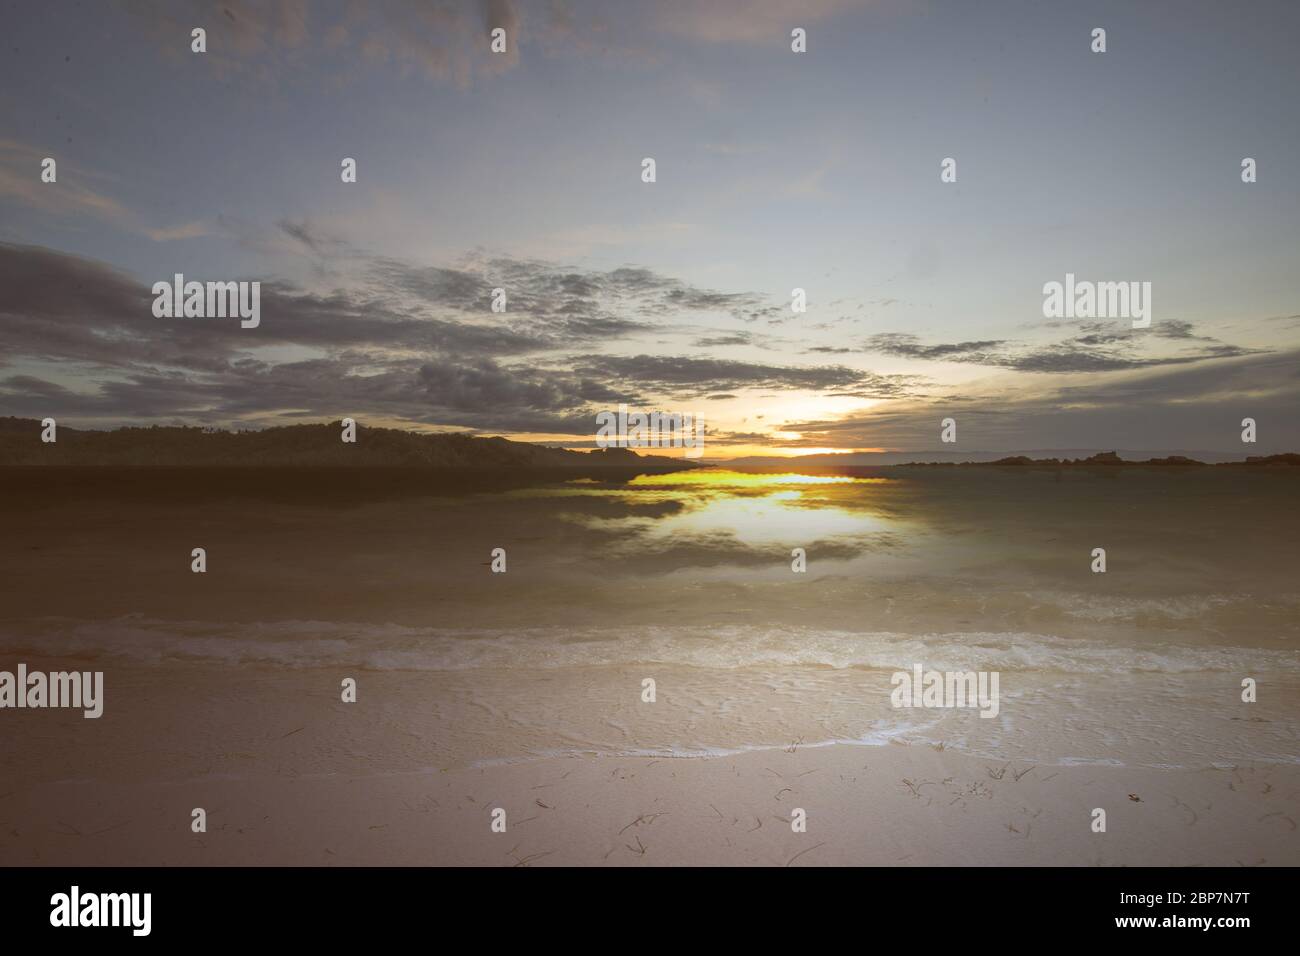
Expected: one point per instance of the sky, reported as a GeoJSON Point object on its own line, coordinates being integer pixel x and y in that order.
{"type": "Point", "coordinates": [775, 171]}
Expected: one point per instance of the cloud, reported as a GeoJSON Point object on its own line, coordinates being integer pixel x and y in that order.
{"type": "Point", "coordinates": [75, 193]}
{"type": "Point", "coordinates": [1101, 348]}
{"type": "Point", "coordinates": [697, 377]}
{"type": "Point", "coordinates": [420, 344]}
{"type": "Point", "coordinates": [70, 195]}
{"type": "Point", "coordinates": [718, 341]}
{"type": "Point", "coordinates": [444, 40]}
{"type": "Point", "coordinates": [755, 22]}
{"type": "Point", "coordinates": [908, 346]}
{"type": "Point", "coordinates": [413, 343]}
{"type": "Point", "coordinates": [309, 237]}
{"type": "Point", "coordinates": [1190, 407]}
{"type": "Point", "coordinates": [613, 302]}
{"type": "Point", "coordinates": [448, 41]}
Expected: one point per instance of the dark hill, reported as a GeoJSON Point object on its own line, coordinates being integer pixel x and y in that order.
{"type": "Point", "coordinates": [1107, 459]}
{"type": "Point", "coordinates": [295, 446]}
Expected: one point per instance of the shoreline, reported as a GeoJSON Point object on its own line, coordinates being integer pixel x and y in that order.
{"type": "Point", "coordinates": [210, 716]}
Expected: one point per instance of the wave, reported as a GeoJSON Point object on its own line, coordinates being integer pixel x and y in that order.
{"type": "Point", "coordinates": [1184, 607]}
{"type": "Point", "coordinates": [299, 643]}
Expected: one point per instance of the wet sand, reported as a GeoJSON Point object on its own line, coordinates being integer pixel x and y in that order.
{"type": "Point", "coordinates": [316, 795]}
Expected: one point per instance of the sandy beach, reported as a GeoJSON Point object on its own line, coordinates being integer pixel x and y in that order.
{"type": "Point", "coordinates": [288, 774]}
{"type": "Point", "coordinates": [271, 797]}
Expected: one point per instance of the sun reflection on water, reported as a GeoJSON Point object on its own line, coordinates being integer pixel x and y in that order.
{"type": "Point", "coordinates": [750, 508]}
{"type": "Point", "coordinates": [723, 478]}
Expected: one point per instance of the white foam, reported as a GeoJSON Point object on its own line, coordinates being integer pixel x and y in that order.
{"type": "Point", "coordinates": [399, 647]}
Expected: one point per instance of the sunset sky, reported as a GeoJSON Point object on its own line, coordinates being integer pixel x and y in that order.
{"type": "Point", "coordinates": [775, 170]}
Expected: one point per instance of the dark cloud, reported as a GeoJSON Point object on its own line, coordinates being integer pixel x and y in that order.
{"type": "Point", "coordinates": [61, 307]}
{"type": "Point", "coordinates": [421, 344]}
{"type": "Point", "coordinates": [697, 377]}
{"type": "Point", "coordinates": [1174, 329]}
{"type": "Point", "coordinates": [1100, 347]}
{"type": "Point", "coordinates": [616, 302]}
{"type": "Point", "coordinates": [310, 237]}
{"type": "Point", "coordinates": [908, 346]}
{"type": "Point", "coordinates": [717, 341]}
{"type": "Point", "coordinates": [1189, 407]}
{"type": "Point", "coordinates": [413, 343]}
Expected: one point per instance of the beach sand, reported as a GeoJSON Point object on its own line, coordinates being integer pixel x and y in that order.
{"type": "Point", "coordinates": [290, 775]}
